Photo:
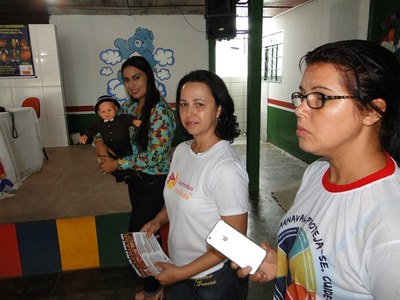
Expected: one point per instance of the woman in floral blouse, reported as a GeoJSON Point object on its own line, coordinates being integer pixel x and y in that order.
{"type": "Point", "coordinates": [151, 143]}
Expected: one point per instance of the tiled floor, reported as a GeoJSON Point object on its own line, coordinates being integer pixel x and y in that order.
{"type": "Point", "coordinates": [70, 186]}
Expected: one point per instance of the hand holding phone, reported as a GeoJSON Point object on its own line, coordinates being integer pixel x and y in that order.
{"type": "Point", "coordinates": [236, 246]}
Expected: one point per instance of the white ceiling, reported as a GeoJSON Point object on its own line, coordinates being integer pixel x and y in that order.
{"type": "Point", "coordinates": [14, 9]}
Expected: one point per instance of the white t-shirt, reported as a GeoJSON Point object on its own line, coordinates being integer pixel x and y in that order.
{"type": "Point", "coordinates": [201, 188]}
{"type": "Point", "coordinates": [341, 241]}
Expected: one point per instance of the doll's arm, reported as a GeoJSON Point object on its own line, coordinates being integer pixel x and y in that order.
{"type": "Point", "coordinates": [83, 139]}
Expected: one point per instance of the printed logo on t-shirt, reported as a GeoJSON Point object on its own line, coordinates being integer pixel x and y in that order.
{"type": "Point", "coordinates": [296, 275]}
{"type": "Point", "coordinates": [171, 181]}
{"type": "Point", "coordinates": [182, 189]}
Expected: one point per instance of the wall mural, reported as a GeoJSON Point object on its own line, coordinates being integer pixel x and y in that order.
{"type": "Point", "coordinates": [140, 43]}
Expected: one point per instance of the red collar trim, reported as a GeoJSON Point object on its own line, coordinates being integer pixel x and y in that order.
{"type": "Point", "coordinates": [335, 188]}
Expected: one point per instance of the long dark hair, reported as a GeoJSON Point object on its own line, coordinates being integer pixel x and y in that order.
{"type": "Point", "coordinates": [227, 127]}
{"type": "Point", "coordinates": [369, 72]}
{"type": "Point", "coordinates": [151, 99]}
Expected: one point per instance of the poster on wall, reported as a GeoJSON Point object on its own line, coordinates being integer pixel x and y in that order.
{"type": "Point", "coordinates": [384, 25]}
{"type": "Point", "coordinates": [15, 51]}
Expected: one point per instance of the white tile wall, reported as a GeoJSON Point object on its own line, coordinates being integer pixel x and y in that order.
{"type": "Point", "coordinates": [6, 96]}
{"type": "Point", "coordinates": [53, 104]}
{"type": "Point", "coordinates": [46, 85]}
{"type": "Point", "coordinates": [5, 83]}
{"type": "Point", "coordinates": [264, 111]}
{"type": "Point", "coordinates": [50, 70]}
{"type": "Point", "coordinates": [47, 42]}
{"type": "Point", "coordinates": [22, 92]}
{"type": "Point", "coordinates": [237, 87]}
{"type": "Point", "coordinates": [53, 125]}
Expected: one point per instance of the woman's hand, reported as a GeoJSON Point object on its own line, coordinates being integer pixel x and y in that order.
{"type": "Point", "coordinates": [102, 149]}
{"type": "Point", "coordinates": [169, 273]}
{"type": "Point", "coordinates": [151, 227]}
{"type": "Point", "coordinates": [266, 271]}
{"type": "Point", "coordinates": [107, 164]}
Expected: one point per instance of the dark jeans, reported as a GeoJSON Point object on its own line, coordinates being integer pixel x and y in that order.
{"type": "Point", "coordinates": [223, 284]}
{"type": "Point", "coordinates": [4, 183]}
{"type": "Point", "coordinates": [146, 196]}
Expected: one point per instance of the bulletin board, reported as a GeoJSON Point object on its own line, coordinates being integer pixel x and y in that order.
{"type": "Point", "coordinates": [15, 51]}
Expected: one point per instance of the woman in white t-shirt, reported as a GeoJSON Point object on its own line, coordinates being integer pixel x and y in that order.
{"type": "Point", "coordinates": [341, 237]}
{"type": "Point", "coordinates": [206, 182]}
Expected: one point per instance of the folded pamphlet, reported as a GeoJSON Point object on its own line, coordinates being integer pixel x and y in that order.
{"type": "Point", "coordinates": [143, 252]}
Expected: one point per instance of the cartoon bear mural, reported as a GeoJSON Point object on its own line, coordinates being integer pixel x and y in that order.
{"type": "Point", "coordinates": [141, 42]}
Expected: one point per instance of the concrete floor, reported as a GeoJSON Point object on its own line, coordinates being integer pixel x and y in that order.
{"type": "Point", "coordinates": [70, 185]}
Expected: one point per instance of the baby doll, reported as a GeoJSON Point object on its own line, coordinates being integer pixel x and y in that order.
{"type": "Point", "coordinates": [114, 130]}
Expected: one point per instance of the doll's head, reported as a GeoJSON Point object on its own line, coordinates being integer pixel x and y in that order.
{"type": "Point", "coordinates": [106, 107]}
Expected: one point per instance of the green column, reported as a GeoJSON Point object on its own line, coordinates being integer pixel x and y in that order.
{"type": "Point", "coordinates": [211, 55]}
{"type": "Point", "coordinates": [254, 93]}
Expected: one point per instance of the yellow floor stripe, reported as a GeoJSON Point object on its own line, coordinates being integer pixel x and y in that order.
{"type": "Point", "coordinates": [78, 243]}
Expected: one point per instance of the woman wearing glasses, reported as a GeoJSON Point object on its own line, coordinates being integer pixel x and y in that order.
{"type": "Point", "coordinates": [341, 237]}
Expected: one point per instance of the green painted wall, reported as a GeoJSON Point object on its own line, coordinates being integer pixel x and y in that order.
{"type": "Point", "coordinates": [281, 126]}
{"type": "Point", "coordinates": [78, 122]}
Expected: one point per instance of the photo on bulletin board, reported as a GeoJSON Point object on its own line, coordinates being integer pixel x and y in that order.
{"type": "Point", "coordinates": [15, 51]}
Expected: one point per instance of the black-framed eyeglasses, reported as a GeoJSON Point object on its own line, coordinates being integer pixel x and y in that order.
{"type": "Point", "coordinates": [314, 100]}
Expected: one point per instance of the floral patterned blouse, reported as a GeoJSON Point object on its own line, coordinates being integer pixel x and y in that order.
{"type": "Point", "coordinates": [155, 160]}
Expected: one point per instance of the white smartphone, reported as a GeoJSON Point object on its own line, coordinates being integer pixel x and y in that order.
{"type": "Point", "coordinates": [236, 246]}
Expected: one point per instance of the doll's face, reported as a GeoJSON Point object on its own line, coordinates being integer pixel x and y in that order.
{"type": "Point", "coordinates": [107, 110]}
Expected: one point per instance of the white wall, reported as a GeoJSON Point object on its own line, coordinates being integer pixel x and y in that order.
{"type": "Point", "coordinates": [237, 87]}
{"type": "Point", "coordinates": [311, 25]}
{"type": "Point", "coordinates": [304, 28]}
{"type": "Point", "coordinates": [46, 85]}
{"type": "Point", "coordinates": [231, 66]}
{"type": "Point", "coordinates": [82, 38]}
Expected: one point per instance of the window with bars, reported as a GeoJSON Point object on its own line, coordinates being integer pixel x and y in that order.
{"type": "Point", "coordinates": [273, 63]}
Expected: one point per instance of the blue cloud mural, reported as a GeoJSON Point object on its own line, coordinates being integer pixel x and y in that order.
{"type": "Point", "coordinates": [140, 43]}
